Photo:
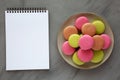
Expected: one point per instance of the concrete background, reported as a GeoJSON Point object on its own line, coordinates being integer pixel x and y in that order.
{"type": "Point", "coordinates": [60, 10]}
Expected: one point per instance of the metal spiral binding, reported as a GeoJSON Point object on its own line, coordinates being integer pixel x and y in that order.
{"type": "Point", "coordinates": [26, 10]}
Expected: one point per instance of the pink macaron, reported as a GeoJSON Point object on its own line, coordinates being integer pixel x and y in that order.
{"type": "Point", "coordinates": [86, 42]}
{"type": "Point", "coordinates": [67, 49]}
{"type": "Point", "coordinates": [80, 21]}
{"type": "Point", "coordinates": [85, 55]}
{"type": "Point", "coordinates": [107, 41]}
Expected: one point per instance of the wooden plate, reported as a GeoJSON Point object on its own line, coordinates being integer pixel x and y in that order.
{"type": "Point", "coordinates": [70, 21]}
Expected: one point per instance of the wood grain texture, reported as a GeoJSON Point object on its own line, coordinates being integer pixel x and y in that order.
{"type": "Point", "coordinates": [60, 10]}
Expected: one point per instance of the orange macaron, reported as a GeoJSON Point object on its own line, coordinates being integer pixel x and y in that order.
{"type": "Point", "coordinates": [89, 29]}
{"type": "Point", "coordinates": [98, 42]}
{"type": "Point", "coordinates": [69, 30]}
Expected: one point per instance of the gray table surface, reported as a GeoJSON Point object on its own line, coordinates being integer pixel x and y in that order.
{"type": "Point", "coordinates": [60, 10]}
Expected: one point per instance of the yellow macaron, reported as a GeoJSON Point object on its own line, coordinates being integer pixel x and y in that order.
{"type": "Point", "coordinates": [76, 60]}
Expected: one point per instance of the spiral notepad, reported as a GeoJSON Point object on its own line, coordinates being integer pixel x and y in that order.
{"type": "Point", "coordinates": [27, 38]}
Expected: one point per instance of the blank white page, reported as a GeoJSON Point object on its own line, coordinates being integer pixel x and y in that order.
{"type": "Point", "coordinates": [27, 41]}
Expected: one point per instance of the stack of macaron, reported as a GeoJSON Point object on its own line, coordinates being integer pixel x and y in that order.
{"type": "Point", "coordinates": [85, 41]}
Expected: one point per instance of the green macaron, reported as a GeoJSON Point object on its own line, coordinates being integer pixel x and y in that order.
{"type": "Point", "coordinates": [73, 40]}
{"type": "Point", "coordinates": [76, 60]}
{"type": "Point", "coordinates": [100, 26]}
{"type": "Point", "coordinates": [98, 56]}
